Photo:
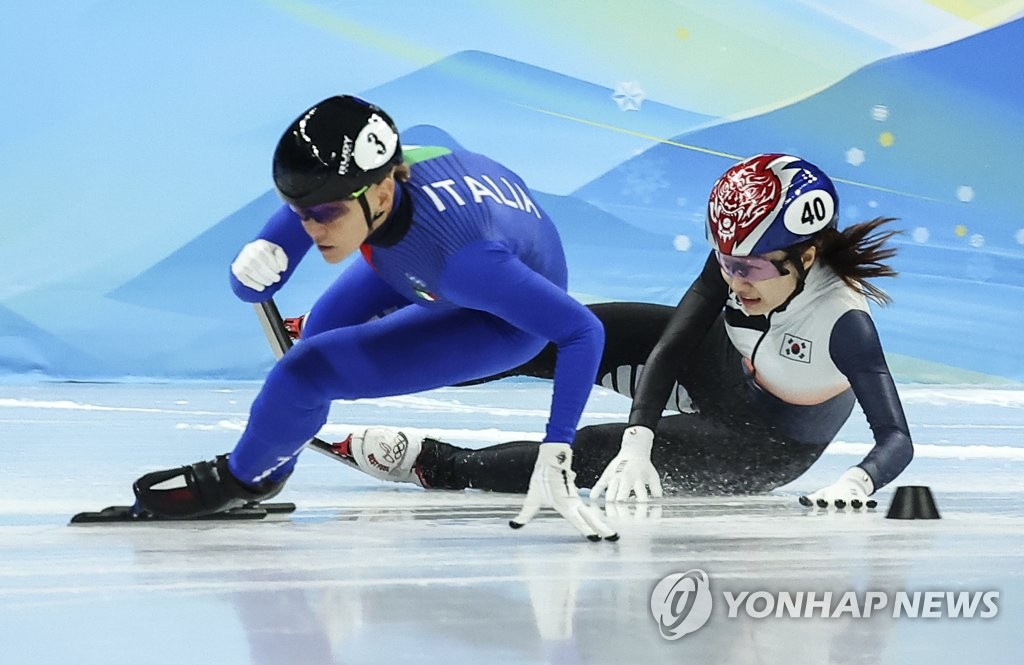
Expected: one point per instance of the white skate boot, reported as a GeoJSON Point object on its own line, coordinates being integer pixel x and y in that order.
{"type": "Point", "coordinates": [386, 454]}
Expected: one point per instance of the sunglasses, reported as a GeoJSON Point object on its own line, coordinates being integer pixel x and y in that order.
{"type": "Point", "coordinates": [326, 212]}
{"type": "Point", "coordinates": [751, 268]}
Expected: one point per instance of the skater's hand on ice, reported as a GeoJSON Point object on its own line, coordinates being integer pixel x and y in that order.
{"type": "Point", "coordinates": [852, 489]}
{"type": "Point", "coordinates": [260, 264]}
{"type": "Point", "coordinates": [553, 484]}
{"type": "Point", "coordinates": [631, 471]}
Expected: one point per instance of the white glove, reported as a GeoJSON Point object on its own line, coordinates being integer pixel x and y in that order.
{"type": "Point", "coordinates": [553, 483]}
{"type": "Point", "coordinates": [853, 488]}
{"type": "Point", "coordinates": [260, 264]}
{"type": "Point", "coordinates": [631, 470]}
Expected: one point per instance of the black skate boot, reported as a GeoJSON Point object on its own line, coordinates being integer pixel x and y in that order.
{"type": "Point", "coordinates": [199, 489]}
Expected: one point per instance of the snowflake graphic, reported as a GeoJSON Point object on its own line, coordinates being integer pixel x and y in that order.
{"type": "Point", "coordinates": [643, 180]}
{"type": "Point", "coordinates": [628, 95]}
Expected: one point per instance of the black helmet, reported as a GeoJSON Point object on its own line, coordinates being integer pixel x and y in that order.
{"type": "Point", "coordinates": [334, 151]}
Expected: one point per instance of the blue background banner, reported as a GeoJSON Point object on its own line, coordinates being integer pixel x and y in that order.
{"type": "Point", "coordinates": [136, 141]}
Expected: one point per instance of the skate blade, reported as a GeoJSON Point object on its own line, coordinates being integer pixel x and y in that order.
{"type": "Point", "coordinates": [129, 515]}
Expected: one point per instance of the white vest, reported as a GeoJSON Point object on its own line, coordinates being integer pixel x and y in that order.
{"type": "Point", "coordinates": [793, 361]}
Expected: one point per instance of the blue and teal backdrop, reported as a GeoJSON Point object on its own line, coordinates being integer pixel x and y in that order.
{"type": "Point", "coordinates": [135, 140]}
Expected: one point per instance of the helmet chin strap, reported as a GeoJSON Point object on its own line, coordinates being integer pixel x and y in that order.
{"type": "Point", "coordinates": [801, 279]}
{"type": "Point", "coordinates": [370, 217]}
{"type": "Point", "coordinates": [364, 204]}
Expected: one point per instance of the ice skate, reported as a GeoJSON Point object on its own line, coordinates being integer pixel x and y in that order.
{"type": "Point", "coordinates": [199, 489]}
{"type": "Point", "coordinates": [384, 453]}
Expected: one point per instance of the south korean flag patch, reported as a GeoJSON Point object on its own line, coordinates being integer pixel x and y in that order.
{"type": "Point", "coordinates": [796, 348]}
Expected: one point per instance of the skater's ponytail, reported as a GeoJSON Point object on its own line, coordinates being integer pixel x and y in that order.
{"type": "Point", "coordinates": [859, 253]}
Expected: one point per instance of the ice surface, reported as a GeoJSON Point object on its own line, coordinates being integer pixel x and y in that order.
{"type": "Point", "coordinates": [366, 572]}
